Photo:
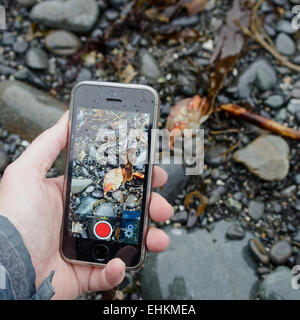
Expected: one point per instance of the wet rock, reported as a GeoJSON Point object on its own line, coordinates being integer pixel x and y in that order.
{"type": "Point", "coordinates": [149, 66]}
{"type": "Point", "coordinates": [78, 185]}
{"type": "Point", "coordinates": [235, 232]}
{"type": "Point", "coordinates": [216, 155]}
{"type": "Point", "coordinates": [233, 205]}
{"type": "Point", "coordinates": [4, 160]}
{"type": "Point", "coordinates": [267, 157]}
{"type": "Point", "coordinates": [294, 106]}
{"type": "Point", "coordinates": [37, 58]}
{"type": "Point", "coordinates": [73, 15]}
{"type": "Point", "coordinates": [265, 72]}
{"type": "Point", "coordinates": [275, 101]}
{"type": "Point", "coordinates": [62, 42]}
{"type": "Point", "coordinates": [277, 286]}
{"type": "Point", "coordinates": [177, 180]}
{"type": "Point", "coordinates": [256, 209]}
{"type": "Point", "coordinates": [258, 251]}
{"type": "Point", "coordinates": [285, 45]}
{"type": "Point", "coordinates": [280, 252]}
{"type": "Point", "coordinates": [215, 260]}
{"type": "Point", "coordinates": [7, 71]}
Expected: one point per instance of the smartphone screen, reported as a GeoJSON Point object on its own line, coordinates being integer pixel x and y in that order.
{"type": "Point", "coordinates": [107, 182]}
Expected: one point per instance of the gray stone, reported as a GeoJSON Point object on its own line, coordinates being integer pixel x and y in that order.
{"type": "Point", "coordinates": [84, 74]}
{"type": "Point", "coordinates": [256, 209]}
{"type": "Point", "coordinates": [235, 232]}
{"type": "Point", "coordinates": [275, 101]}
{"type": "Point", "coordinates": [78, 185]}
{"type": "Point", "coordinates": [149, 66]}
{"type": "Point", "coordinates": [105, 210]}
{"type": "Point", "coordinates": [8, 38]}
{"type": "Point", "coordinates": [233, 205]}
{"type": "Point", "coordinates": [285, 45]}
{"type": "Point", "coordinates": [62, 42]}
{"type": "Point", "coordinates": [177, 180]}
{"type": "Point", "coordinates": [73, 15]}
{"type": "Point", "coordinates": [20, 46]}
{"type": "Point", "coordinates": [286, 27]}
{"type": "Point", "coordinates": [249, 76]}
{"type": "Point", "coordinates": [185, 272]}
{"type": "Point", "coordinates": [281, 115]}
{"type": "Point", "coordinates": [28, 111]}
{"type": "Point", "coordinates": [180, 217]}
{"type": "Point", "coordinates": [288, 191]}
{"type": "Point", "coordinates": [37, 58]}
{"type": "Point", "coordinates": [280, 252]}
{"type": "Point", "coordinates": [216, 155]}
{"type": "Point", "coordinates": [277, 286]}
{"type": "Point", "coordinates": [294, 106]}
{"type": "Point", "coordinates": [267, 157]}
{"type": "Point", "coordinates": [86, 206]}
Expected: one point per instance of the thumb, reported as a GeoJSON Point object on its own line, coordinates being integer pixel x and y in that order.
{"type": "Point", "coordinates": [43, 151]}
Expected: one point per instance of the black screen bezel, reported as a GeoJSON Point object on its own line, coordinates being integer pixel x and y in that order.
{"type": "Point", "coordinates": [95, 96]}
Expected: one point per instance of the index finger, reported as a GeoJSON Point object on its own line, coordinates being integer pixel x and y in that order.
{"type": "Point", "coordinates": [160, 177]}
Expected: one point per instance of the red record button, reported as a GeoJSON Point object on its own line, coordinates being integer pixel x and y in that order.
{"type": "Point", "coordinates": [102, 230]}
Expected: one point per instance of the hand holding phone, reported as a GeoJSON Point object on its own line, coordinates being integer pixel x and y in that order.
{"type": "Point", "coordinates": [109, 173]}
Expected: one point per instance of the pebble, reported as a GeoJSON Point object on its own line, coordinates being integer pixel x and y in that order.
{"type": "Point", "coordinates": [105, 210]}
{"type": "Point", "coordinates": [258, 251]}
{"type": "Point", "coordinates": [84, 75]}
{"type": "Point", "coordinates": [288, 191]}
{"type": "Point", "coordinates": [233, 205]}
{"type": "Point", "coordinates": [186, 21]}
{"type": "Point", "coordinates": [286, 27]}
{"type": "Point", "coordinates": [294, 106]}
{"type": "Point", "coordinates": [20, 46]}
{"type": "Point", "coordinates": [111, 14]}
{"type": "Point", "coordinates": [297, 179]}
{"type": "Point", "coordinates": [285, 45]}
{"type": "Point", "coordinates": [260, 69]}
{"type": "Point", "coordinates": [216, 155]}
{"type": "Point", "coordinates": [61, 42]}
{"type": "Point", "coordinates": [192, 219]}
{"type": "Point", "coordinates": [72, 15]}
{"type": "Point", "coordinates": [267, 157]}
{"type": "Point", "coordinates": [235, 232]}
{"type": "Point", "coordinates": [275, 101]}
{"type": "Point", "coordinates": [149, 66]}
{"type": "Point", "coordinates": [78, 185]}
{"type": "Point", "coordinates": [280, 252]}
{"type": "Point", "coordinates": [8, 39]}
{"type": "Point", "coordinates": [37, 58]}
{"type": "Point", "coordinates": [256, 209]}
{"type": "Point", "coordinates": [180, 217]}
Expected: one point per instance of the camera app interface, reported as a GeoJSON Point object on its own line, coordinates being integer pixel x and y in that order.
{"type": "Point", "coordinates": [110, 155]}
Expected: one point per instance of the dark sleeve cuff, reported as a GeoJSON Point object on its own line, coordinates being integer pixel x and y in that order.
{"type": "Point", "coordinates": [16, 260]}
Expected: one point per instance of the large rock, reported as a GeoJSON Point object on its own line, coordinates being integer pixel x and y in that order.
{"type": "Point", "coordinates": [200, 265]}
{"type": "Point", "coordinates": [73, 15]}
{"type": "Point", "coordinates": [28, 111]}
{"type": "Point", "coordinates": [278, 286]}
{"type": "Point", "coordinates": [267, 157]}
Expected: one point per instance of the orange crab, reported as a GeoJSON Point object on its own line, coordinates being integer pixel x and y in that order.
{"type": "Point", "coordinates": [188, 113]}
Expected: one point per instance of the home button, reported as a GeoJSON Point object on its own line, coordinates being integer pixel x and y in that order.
{"type": "Point", "coordinates": [100, 252]}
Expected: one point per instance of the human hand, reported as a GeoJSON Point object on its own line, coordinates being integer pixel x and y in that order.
{"type": "Point", "coordinates": [34, 205]}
